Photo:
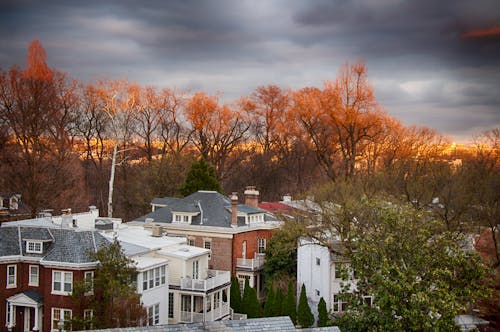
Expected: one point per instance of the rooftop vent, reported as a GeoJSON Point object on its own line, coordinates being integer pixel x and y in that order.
{"type": "Point", "coordinates": [156, 231]}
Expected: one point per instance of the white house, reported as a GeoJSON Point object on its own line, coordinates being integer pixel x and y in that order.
{"type": "Point", "coordinates": [324, 273]}
{"type": "Point", "coordinates": [191, 293]}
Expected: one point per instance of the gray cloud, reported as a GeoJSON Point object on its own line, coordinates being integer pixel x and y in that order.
{"type": "Point", "coordinates": [425, 64]}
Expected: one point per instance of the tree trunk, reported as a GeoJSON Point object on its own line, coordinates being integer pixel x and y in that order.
{"type": "Point", "coordinates": [111, 181]}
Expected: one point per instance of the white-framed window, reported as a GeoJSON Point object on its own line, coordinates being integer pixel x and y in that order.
{"type": "Point", "coordinates": [154, 278]}
{"type": "Point", "coordinates": [216, 299]}
{"type": "Point", "coordinates": [338, 305]}
{"type": "Point", "coordinates": [170, 305]}
{"type": "Point", "coordinates": [62, 282]}
{"type": "Point", "coordinates": [61, 318]}
{"type": "Point", "coordinates": [341, 271]}
{"type": "Point", "coordinates": [34, 275]}
{"type": "Point", "coordinates": [88, 316]}
{"type": "Point", "coordinates": [244, 249]}
{"type": "Point", "coordinates": [88, 276]}
{"type": "Point", "coordinates": [11, 276]}
{"type": "Point", "coordinates": [196, 269]}
{"type": "Point", "coordinates": [207, 244]}
{"type": "Point", "coordinates": [256, 218]}
{"type": "Point", "coordinates": [34, 247]}
{"type": "Point", "coordinates": [368, 300]}
{"type": "Point", "coordinates": [182, 218]}
{"type": "Point", "coordinates": [153, 314]}
{"type": "Point", "coordinates": [157, 277]}
{"type": "Point", "coordinates": [191, 242]}
{"type": "Point", "coordinates": [163, 275]}
{"type": "Point", "coordinates": [261, 246]}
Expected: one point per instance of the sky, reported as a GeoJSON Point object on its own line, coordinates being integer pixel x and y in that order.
{"type": "Point", "coordinates": [432, 63]}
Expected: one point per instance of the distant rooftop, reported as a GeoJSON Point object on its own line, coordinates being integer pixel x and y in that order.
{"type": "Point", "coordinates": [207, 208]}
{"type": "Point", "coordinates": [277, 324]}
{"type": "Point", "coordinates": [140, 237]}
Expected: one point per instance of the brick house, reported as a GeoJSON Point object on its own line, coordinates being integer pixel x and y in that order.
{"type": "Point", "coordinates": [236, 234]}
{"type": "Point", "coordinates": [38, 266]}
{"type": "Point", "coordinates": [12, 207]}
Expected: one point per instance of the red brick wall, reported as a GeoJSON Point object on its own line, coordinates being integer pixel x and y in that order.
{"type": "Point", "coordinates": [44, 288]}
{"type": "Point", "coordinates": [221, 257]}
{"type": "Point", "coordinates": [251, 237]}
{"type": "Point", "coordinates": [6, 293]}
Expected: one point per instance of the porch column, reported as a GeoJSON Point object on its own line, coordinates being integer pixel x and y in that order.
{"type": "Point", "coordinates": [35, 324]}
{"type": "Point", "coordinates": [192, 307]}
{"type": "Point", "coordinates": [204, 306]}
{"type": "Point", "coordinates": [11, 316]}
{"type": "Point", "coordinates": [213, 305]}
{"type": "Point", "coordinates": [220, 299]}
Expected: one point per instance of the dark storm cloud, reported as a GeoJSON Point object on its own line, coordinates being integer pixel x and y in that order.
{"type": "Point", "coordinates": [434, 63]}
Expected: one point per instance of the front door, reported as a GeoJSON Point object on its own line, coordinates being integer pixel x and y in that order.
{"type": "Point", "coordinates": [24, 319]}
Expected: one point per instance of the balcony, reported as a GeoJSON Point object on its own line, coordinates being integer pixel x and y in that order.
{"type": "Point", "coordinates": [215, 279]}
{"type": "Point", "coordinates": [252, 264]}
{"type": "Point", "coordinates": [211, 315]}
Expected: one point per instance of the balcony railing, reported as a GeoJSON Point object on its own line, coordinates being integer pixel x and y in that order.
{"type": "Point", "coordinates": [215, 279]}
{"type": "Point", "coordinates": [211, 315]}
{"type": "Point", "coordinates": [253, 263]}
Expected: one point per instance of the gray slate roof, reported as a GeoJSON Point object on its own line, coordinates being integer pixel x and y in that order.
{"type": "Point", "coordinates": [34, 295]}
{"type": "Point", "coordinates": [60, 244]}
{"type": "Point", "coordinates": [247, 325]}
{"type": "Point", "coordinates": [216, 209]}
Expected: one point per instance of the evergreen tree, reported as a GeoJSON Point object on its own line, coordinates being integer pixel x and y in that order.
{"type": "Point", "coordinates": [290, 306]}
{"type": "Point", "coordinates": [304, 315]}
{"type": "Point", "coordinates": [113, 290]}
{"type": "Point", "coordinates": [235, 295]}
{"type": "Point", "coordinates": [268, 306]}
{"type": "Point", "coordinates": [201, 176]}
{"type": "Point", "coordinates": [322, 313]}
{"type": "Point", "coordinates": [250, 304]}
{"type": "Point", "coordinates": [278, 303]}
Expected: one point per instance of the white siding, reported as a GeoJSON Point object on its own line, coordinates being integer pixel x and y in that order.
{"type": "Point", "coordinates": [315, 277]}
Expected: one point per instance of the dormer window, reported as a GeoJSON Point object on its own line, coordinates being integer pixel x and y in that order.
{"type": "Point", "coordinates": [34, 247]}
{"type": "Point", "coordinates": [252, 218]}
{"type": "Point", "coordinates": [185, 218]}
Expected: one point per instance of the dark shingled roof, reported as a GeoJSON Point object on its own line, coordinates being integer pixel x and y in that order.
{"type": "Point", "coordinates": [60, 244]}
{"type": "Point", "coordinates": [215, 208]}
{"type": "Point", "coordinates": [35, 296]}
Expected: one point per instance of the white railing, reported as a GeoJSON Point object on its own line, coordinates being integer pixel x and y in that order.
{"type": "Point", "coordinates": [191, 317]}
{"type": "Point", "coordinates": [253, 264]}
{"type": "Point", "coordinates": [211, 315]}
{"type": "Point", "coordinates": [217, 313]}
{"type": "Point", "coordinates": [215, 279]}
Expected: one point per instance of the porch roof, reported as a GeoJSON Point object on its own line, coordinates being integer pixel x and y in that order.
{"type": "Point", "coordinates": [26, 298]}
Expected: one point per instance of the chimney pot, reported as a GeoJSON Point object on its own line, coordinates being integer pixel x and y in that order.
{"type": "Point", "coordinates": [251, 196]}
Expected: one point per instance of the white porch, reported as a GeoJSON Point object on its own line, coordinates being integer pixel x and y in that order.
{"type": "Point", "coordinates": [204, 307]}
{"type": "Point", "coordinates": [27, 300]}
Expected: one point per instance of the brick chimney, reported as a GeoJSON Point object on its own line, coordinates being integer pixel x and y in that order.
{"type": "Point", "coordinates": [251, 196]}
{"type": "Point", "coordinates": [234, 209]}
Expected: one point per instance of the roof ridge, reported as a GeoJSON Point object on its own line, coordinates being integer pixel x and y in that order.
{"type": "Point", "coordinates": [51, 235]}
{"type": "Point", "coordinates": [93, 241]}
{"type": "Point", "coordinates": [20, 241]}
